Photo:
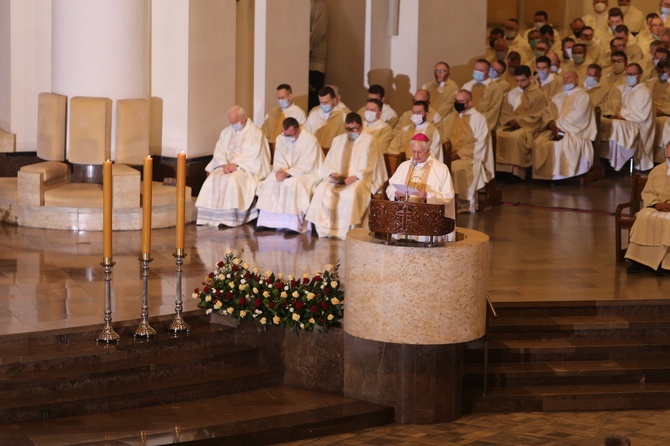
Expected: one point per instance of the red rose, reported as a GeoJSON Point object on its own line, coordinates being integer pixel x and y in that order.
{"type": "Point", "coordinates": [279, 284]}
{"type": "Point", "coordinates": [243, 301]}
{"type": "Point", "coordinates": [197, 291]}
{"type": "Point", "coordinates": [317, 278]}
{"type": "Point", "coordinates": [205, 290]}
{"type": "Point", "coordinates": [218, 293]}
{"type": "Point", "coordinates": [229, 295]}
{"type": "Point", "coordinates": [313, 309]}
{"type": "Point", "coordinates": [305, 280]}
{"type": "Point", "coordinates": [271, 305]}
{"type": "Point", "coordinates": [294, 283]}
{"type": "Point", "coordinates": [220, 264]}
{"type": "Point", "coordinates": [324, 305]}
{"type": "Point", "coordinates": [211, 275]}
{"type": "Point", "coordinates": [247, 276]}
{"type": "Point", "coordinates": [322, 321]}
{"type": "Point", "coordinates": [234, 268]}
{"type": "Point", "coordinates": [298, 305]}
{"type": "Point", "coordinates": [326, 290]}
{"type": "Point", "coordinates": [258, 303]}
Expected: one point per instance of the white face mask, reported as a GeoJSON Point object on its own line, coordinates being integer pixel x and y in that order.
{"type": "Point", "coordinates": [416, 119]}
{"type": "Point", "coordinates": [370, 116]}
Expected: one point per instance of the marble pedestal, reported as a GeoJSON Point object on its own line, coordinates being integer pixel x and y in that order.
{"type": "Point", "coordinates": [408, 312]}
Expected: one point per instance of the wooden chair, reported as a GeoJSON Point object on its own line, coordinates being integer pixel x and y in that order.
{"type": "Point", "coordinates": [624, 220]}
{"type": "Point", "coordinates": [490, 195]}
{"type": "Point", "coordinates": [392, 161]}
{"type": "Point", "coordinates": [272, 152]}
{"type": "Point", "coordinates": [446, 154]}
{"type": "Point", "coordinates": [597, 171]}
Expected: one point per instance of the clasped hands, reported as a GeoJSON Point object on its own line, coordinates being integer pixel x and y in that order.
{"type": "Point", "coordinates": [351, 179]}
{"type": "Point", "coordinates": [662, 207]}
{"type": "Point", "coordinates": [228, 168]}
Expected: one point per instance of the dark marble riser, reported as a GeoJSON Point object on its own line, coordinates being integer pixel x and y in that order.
{"type": "Point", "coordinates": [141, 394]}
{"type": "Point", "coordinates": [595, 308]}
{"type": "Point", "coordinates": [586, 399]}
{"type": "Point", "coordinates": [533, 333]}
{"type": "Point", "coordinates": [583, 354]}
{"type": "Point", "coordinates": [624, 377]}
{"type": "Point", "coordinates": [103, 376]}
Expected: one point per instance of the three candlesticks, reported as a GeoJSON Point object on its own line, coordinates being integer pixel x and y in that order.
{"type": "Point", "coordinates": [144, 330]}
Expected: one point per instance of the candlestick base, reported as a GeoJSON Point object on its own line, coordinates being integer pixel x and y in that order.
{"type": "Point", "coordinates": [178, 325]}
{"type": "Point", "coordinates": [144, 330]}
{"type": "Point", "coordinates": [108, 334]}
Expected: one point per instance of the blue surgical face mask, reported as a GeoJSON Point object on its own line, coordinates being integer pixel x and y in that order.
{"type": "Point", "coordinates": [478, 76]}
{"type": "Point", "coordinates": [664, 77]}
{"type": "Point", "coordinates": [554, 69]}
{"type": "Point", "coordinates": [665, 10]}
{"type": "Point", "coordinates": [353, 135]}
{"type": "Point", "coordinates": [568, 87]}
{"type": "Point", "coordinates": [326, 108]}
{"type": "Point", "coordinates": [591, 81]}
{"type": "Point", "coordinates": [533, 43]}
{"type": "Point", "coordinates": [543, 75]}
{"type": "Point", "coordinates": [493, 74]}
{"type": "Point", "coordinates": [631, 81]}
{"type": "Point", "coordinates": [283, 103]}
{"type": "Point", "coordinates": [237, 126]}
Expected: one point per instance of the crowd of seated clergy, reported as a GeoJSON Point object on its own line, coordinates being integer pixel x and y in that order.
{"type": "Point", "coordinates": [529, 111]}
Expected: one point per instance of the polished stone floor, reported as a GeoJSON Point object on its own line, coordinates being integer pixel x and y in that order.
{"type": "Point", "coordinates": [548, 242]}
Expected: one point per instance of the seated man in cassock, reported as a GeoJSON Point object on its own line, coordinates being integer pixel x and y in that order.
{"type": "Point", "coordinates": [350, 174]}
{"type": "Point", "coordinates": [433, 115]}
{"type": "Point", "coordinates": [241, 160]}
{"type": "Point", "coordinates": [597, 91]}
{"type": "Point", "coordinates": [429, 177]}
{"type": "Point", "coordinates": [564, 149]}
{"type": "Point", "coordinates": [520, 122]}
{"type": "Point", "coordinates": [472, 163]}
{"type": "Point", "coordinates": [374, 125]}
{"type": "Point", "coordinates": [325, 121]}
{"type": "Point", "coordinates": [633, 127]}
{"type": "Point", "coordinates": [548, 82]}
{"type": "Point", "coordinates": [650, 234]}
{"type": "Point", "coordinates": [284, 196]}
{"type": "Point", "coordinates": [285, 109]}
{"type": "Point", "coordinates": [389, 115]}
{"type": "Point", "coordinates": [487, 95]}
{"type": "Point", "coordinates": [419, 124]}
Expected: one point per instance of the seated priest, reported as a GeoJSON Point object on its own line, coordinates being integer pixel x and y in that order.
{"type": "Point", "coordinates": [283, 197]}
{"type": "Point", "coordinates": [565, 149]}
{"type": "Point", "coordinates": [472, 164]}
{"type": "Point", "coordinates": [325, 121]}
{"type": "Point", "coordinates": [389, 115]}
{"type": "Point", "coordinates": [650, 234]}
{"type": "Point", "coordinates": [659, 86]}
{"type": "Point", "coordinates": [375, 126]}
{"type": "Point", "coordinates": [633, 128]}
{"type": "Point", "coordinates": [285, 109]}
{"type": "Point", "coordinates": [428, 178]}
{"type": "Point", "coordinates": [241, 160]}
{"type": "Point", "coordinates": [487, 95]}
{"type": "Point", "coordinates": [419, 124]}
{"type": "Point", "coordinates": [520, 121]}
{"type": "Point", "coordinates": [350, 175]}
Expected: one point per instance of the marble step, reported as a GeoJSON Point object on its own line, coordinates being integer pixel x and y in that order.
{"type": "Point", "coordinates": [140, 394]}
{"type": "Point", "coordinates": [569, 373]}
{"type": "Point", "coordinates": [519, 327]}
{"type": "Point", "coordinates": [582, 308]}
{"type": "Point", "coordinates": [270, 415]}
{"type": "Point", "coordinates": [554, 350]}
{"type": "Point", "coordinates": [568, 398]}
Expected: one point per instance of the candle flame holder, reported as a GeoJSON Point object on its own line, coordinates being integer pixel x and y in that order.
{"type": "Point", "coordinates": [145, 330]}
{"type": "Point", "coordinates": [178, 325]}
{"type": "Point", "coordinates": [108, 335]}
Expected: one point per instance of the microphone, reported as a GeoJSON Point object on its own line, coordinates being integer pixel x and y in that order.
{"type": "Point", "coordinates": [410, 178]}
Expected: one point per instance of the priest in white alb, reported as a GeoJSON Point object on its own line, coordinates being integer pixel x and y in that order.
{"type": "Point", "coordinates": [285, 109]}
{"type": "Point", "coordinates": [565, 149]}
{"type": "Point", "coordinates": [472, 163]}
{"type": "Point", "coordinates": [634, 127]}
{"type": "Point", "coordinates": [350, 174]}
{"type": "Point", "coordinates": [649, 247]}
{"type": "Point", "coordinates": [284, 196]}
{"type": "Point", "coordinates": [241, 160]}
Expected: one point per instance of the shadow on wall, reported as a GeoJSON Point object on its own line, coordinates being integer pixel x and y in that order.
{"type": "Point", "coordinates": [397, 88]}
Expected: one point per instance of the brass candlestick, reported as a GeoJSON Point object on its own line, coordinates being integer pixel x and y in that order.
{"type": "Point", "coordinates": [178, 325]}
{"type": "Point", "coordinates": [145, 330]}
{"type": "Point", "coordinates": [108, 334]}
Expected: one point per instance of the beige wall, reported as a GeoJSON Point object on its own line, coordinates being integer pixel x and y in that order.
{"type": "Point", "coordinates": [244, 55]}
{"type": "Point", "coordinates": [5, 66]}
{"type": "Point", "coordinates": [346, 46]}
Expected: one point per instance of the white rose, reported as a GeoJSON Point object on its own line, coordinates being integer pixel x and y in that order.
{"type": "Point", "coordinates": [255, 270]}
{"type": "Point", "coordinates": [302, 325]}
{"type": "Point", "coordinates": [295, 317]}
{"type": "Point", "coordinates": [280, 276]}
{"type": "Point", "coordinates": [245, 266]}
{"type": "Point", "coordinates": [311, 320]}
{"type": "Point", "coordinates": [218, 305]}
{"type": "Point", "coordinates": [310, 296]}
{"type": "Point", "coordinates": [221, 276]}
{"type": "Point", "coordinates": [333, 284]}
{"type": "Point", "coordinates": [237, 261]}
{"type": "Point", "coordinates": [228, 276]}
{"type": "Point", "coordinates": [266, 294]}
{"type": "Point", "coordinates": [231, 284]}
{"type": "Point", "coordinates": [209, 311]}
{"type": "Point", "coordinates": [283, 295]}
{"type": "Point", "coordinates": [243, 281]}
{"type": "Point", "coordinates": [208, 298]}
{"type": "Point", "coordinates": [291, 277]}
{"type": "Point", "coordinates": [195, 295]}
{"type": "Point", "coordinates": [255, 290]}
{"type": "Point", "coordinates": [268, 273]}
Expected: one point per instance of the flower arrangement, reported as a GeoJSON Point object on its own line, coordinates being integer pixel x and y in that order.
{"type": "Point", "coordinates": [301, 304]}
